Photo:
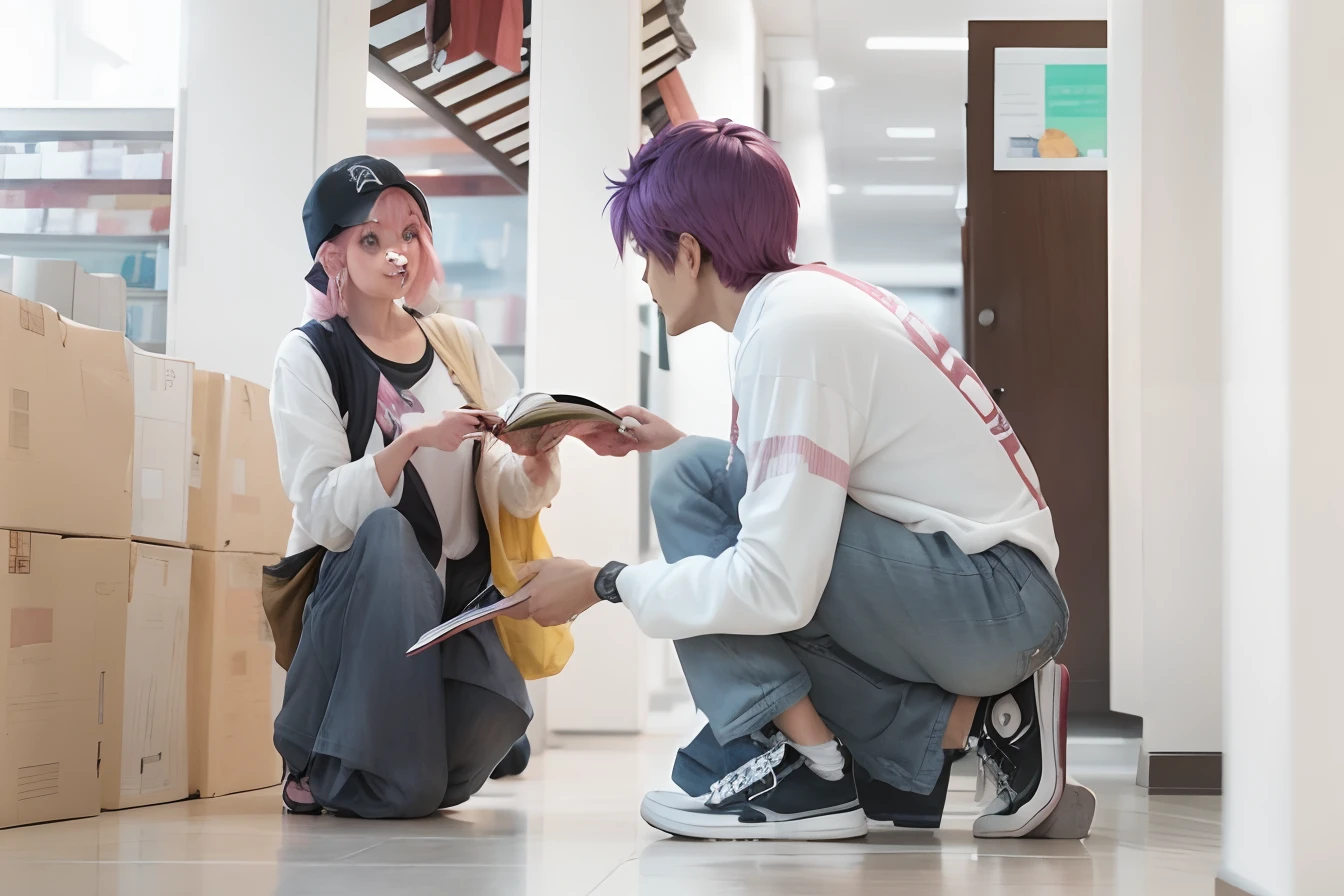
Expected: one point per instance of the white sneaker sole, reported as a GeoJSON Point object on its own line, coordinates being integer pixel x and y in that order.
{"type": "Point", "coordinates": [677, 815]}
{"type": "Point", "coordinates": [1052, 703]}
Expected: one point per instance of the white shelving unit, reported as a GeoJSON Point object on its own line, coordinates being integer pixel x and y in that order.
{"type": "Point", "coordinates": [23, 132]}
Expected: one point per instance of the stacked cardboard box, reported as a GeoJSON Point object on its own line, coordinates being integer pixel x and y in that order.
{"type": "Point", "coordinates": [238, 522]}
{"type": "Point", "coordinates": [139, 501]}
{"type": "Point", "coordinates": [162, 469]}
{"type": "Point", "coordinates": [65, 519]}
{"type": "Point", "coordinates": [142, 652]}
{"type": "Point", "coordinates": [92, 453]}
{"type": "Point", "coordinates": [53, 594]}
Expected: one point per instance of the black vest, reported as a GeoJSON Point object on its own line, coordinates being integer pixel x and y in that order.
{"type": "Point", "coordinates": [354, 384]}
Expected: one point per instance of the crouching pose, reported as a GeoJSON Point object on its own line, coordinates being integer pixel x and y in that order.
{"type": "Point", "coordinates": [860, 582]}
{"type": "Point", "coordinates": [381, 463]}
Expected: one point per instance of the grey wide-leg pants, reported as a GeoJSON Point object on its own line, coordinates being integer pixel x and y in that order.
{"type": "Point", "coordinates": [384, 735]}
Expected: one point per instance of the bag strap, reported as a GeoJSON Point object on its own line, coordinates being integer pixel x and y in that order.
{"type": "Point", "coordinates": [456, 354]}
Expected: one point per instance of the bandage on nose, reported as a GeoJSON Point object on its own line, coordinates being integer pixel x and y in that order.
{"type": "Point", "coordinates": [394, 258]}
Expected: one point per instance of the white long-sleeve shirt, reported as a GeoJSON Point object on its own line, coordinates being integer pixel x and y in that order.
{"type": "Point", "coordinates": [841, 392]}
{"type": "Point", "coordinates": [332, 495]}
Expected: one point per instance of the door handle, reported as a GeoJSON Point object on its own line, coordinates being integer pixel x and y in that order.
{"type": "Point", "coordinates": [986, 317]}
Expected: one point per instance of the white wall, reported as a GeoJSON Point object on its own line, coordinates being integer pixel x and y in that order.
{"type": "Point", "coordinates": [250, 140]}
{"type": "Point", "coordinates": [1125, 226]}
{"type": "Point", "coordinates": [1284, 481]}
{"type": "Point", "coordinates": [1166, 412]}
{"type": "Point", "coordinates": [1181, 427]}
{"type": "Point", "coordinates": [582, 328]}
{"type": "Point", "coordinates": [98, 52]}
{"type": "Point", "coordinates": [795, 123]}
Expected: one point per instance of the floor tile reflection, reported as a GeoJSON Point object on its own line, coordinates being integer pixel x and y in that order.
{"type": "Point", "coordinates": [571, 826]}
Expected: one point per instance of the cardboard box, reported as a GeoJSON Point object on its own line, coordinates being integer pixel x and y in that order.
{"type": "Point", "coordinates": [142, 658]}
{"type": "Point", "coordinates": [237, 502]}
{"type": "Point", "coordinates": [230, 652]}
{"type": "Point", "coordinates": [22, 220]}
{"type": "Point", "coordinates": [105, 161]}
{"type": "Point", "coordinates": [23, 166]}
{"type": "Point", "coordinates": [143, 166]}
{"type": "Point", "coordinates": [162, 456]}
{"type": "Point", "coordinates": [71, 164]}
{"type": "Point", "coordinates": [51, 589]}
{"type": "Point", "coordinates": [66, 424]}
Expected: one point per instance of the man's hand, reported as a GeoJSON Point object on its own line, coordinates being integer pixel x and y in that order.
{"type": "Point", "coordinates": [561, 590]}
{"type": "Point", "coordinates": [652, 434]}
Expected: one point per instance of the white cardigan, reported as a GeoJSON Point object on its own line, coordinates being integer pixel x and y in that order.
{"type": "Point", "coordinates": [332, 495]}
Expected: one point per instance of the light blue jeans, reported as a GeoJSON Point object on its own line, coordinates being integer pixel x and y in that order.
{"type": "Point", "coordinates": [907, 622]}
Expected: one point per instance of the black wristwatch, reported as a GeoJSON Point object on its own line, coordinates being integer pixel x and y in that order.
{"type": "Point", "coordinates": [605, 586]}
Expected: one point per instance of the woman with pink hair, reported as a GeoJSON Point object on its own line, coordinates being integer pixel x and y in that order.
{"type": "Point", "coordinates": [377, 453]}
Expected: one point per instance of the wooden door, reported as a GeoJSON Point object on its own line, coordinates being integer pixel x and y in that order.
{"type": "Point", "coordinates": [1036, 249]}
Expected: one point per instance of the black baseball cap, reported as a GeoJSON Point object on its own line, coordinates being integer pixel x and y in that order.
{"type": "Point", "coordinates": [343, 196]}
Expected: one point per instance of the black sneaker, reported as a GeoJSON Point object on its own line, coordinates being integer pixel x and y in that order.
{"type": "Point", "coordinates": [773, 797]}
{"type": "Point", "coordinates": [1022, 753]}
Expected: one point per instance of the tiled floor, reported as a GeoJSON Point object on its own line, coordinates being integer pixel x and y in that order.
{"type": "Point", "coordinates": [571, 826]}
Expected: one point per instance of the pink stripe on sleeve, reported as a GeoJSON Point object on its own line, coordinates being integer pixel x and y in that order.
{"type": "Point", "coordinates": [781, 455]}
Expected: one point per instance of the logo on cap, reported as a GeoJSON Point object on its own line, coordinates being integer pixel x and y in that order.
{"type": "Point", "coordinates": [363, 175]}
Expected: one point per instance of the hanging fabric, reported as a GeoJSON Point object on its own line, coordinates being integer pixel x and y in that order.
{"type": "Point", "coordinates": [493, 28]}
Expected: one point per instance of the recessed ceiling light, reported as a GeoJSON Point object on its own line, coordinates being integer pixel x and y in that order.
{"type": "Point", "coordinates": [906, 158]}
{"type": "Point", "coordinates": [836, 189]}
{"type": "Point", "coordinates": [823, 82]}
{"type": "Point", "coordinates": [950, 44]}
{"type": "Point", "coordinates": [911, 133]}
{"type": "Point", "coordinates": [909, 190]}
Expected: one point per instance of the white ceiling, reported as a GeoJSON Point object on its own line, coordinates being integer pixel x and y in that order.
{"type": "Point", "coordinates": [877, 89]}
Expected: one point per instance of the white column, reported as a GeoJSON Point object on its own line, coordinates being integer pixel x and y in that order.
{"type": "Point", "coordinates": [261, 111]}
{"type": "Point", "coordinates": [723, 78]}
{"type": "Point", "coordinates": [1166, 411]}
{"type": "Point", "coordinates": [582, 326]}
{"type": "Point", "coordinates": [1284, 481]}
{"type": "Point", "coordinates": [795, 123]}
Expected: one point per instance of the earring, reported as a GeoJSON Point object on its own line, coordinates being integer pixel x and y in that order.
{"type": "Point", "coordinates": [340, 285]}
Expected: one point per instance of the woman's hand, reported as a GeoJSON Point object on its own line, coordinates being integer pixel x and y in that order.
{"type": "Point", "coordinates": [449, 431]}
{"type": "Point", "coordinates": [538, 440]}
{"type": "Point", "coordinates": [652, 434]}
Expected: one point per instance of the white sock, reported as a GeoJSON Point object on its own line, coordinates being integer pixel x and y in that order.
{"type": "Point", "coordinates": [825, 760]}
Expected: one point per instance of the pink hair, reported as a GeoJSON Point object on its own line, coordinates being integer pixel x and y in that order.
{"type": "Point", "coordinates": [394, 204]}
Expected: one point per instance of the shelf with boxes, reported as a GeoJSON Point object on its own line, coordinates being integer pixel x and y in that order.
{"type": "Point", "coordinates": [139, 500]}
{"type": "Point", "coordinates": [92, 185]}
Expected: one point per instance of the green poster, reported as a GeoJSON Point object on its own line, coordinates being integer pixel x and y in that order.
{"type": "Point", "coordinates": [1075, 103]}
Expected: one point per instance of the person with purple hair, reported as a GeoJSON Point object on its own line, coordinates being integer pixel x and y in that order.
{"type": "Point", "coordinates": [860, 583]}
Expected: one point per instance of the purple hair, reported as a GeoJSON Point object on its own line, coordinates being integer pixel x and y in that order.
{"type": "Point", "coordinates": [721, 182]}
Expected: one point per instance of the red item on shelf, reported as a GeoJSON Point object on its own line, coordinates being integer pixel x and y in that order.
{"type": "Point", "coordinates": [493, 28]}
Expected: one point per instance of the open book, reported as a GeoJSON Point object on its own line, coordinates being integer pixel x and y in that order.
{"type": "Point", "coordinates": [526, 414]}
{"type": "Point", "coordinates": [536, 409]}
{"type": "Point", "coordinates": [482, 608]}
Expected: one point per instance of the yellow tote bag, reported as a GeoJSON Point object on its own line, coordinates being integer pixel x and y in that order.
{"type": "Point", "coordinates": [537, 651]}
